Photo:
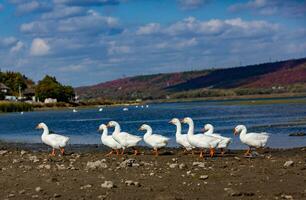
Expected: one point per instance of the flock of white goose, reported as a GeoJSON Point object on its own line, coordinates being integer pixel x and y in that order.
{"type": "Point", "coordinates": [119, 140]}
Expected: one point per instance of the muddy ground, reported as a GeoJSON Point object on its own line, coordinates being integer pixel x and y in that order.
{"type": "Point", "coordinates": [28, 172]}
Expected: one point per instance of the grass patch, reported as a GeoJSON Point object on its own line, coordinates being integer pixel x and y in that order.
{"type": "Point", "coordinates": [15, 107]}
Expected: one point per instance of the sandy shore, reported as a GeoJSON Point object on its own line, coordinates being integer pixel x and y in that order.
{"type": "Point", "coordinates": [27, 172]}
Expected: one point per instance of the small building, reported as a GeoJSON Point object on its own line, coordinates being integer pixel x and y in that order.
{"type": "Point", "coordinates": [29, 94]}
{"type": "Point", "coordinates": [50, 100]}
{"type": "Point", "coordinates": [4, 88]}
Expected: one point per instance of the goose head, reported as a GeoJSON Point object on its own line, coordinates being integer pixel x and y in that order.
{"type": "Point", "coordinates": [41, 126]}
{"type": "Point", "coordinates": [186, 120]}
{"type": "Point", "coordinates": [174, 121]}
{"type": "Point", "coordinates": [102, 127]}
{"type": "Point", "coordinates": [144, 127]}
{"type": "Point", "coordinates": [112, 124]}
{"type": "Point", "coordinates": [238, 129]}
{"type": "Point", "coordinates": [207, 127]}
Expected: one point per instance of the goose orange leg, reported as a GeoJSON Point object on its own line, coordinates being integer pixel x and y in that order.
{"type": "Point", "coordinates": [122, 152]}
{"type": "Point", "coordinates": [53, 152]}
{"type": "Point", "coordinates": [135, 152]}
{"type": "Point", "coordinates": [110, 153]}
{"type": "Point", "coordinates": [117, 152]}
{"type": "Point", "coordinates": [222, 152]}
{"type": "Point", "coordinates": [201, 154]}
{"type": "Point", "coordinates": [248, 152]}
{"type": "Point", "coordinates": [212, 152]}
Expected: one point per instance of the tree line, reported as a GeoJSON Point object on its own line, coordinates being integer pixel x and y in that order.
{"type": "Point", "coordinates": [48, 87]}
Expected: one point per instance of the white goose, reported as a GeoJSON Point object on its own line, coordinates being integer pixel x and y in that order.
{"type": "Point", "coordinates": [181, 139]}
{"type": "Point", "coordinates": [200, 140]}
{"type": "Point", "coordinates": [108, 140]}
{"type": "Point", "coordinates": [54, 140]}
{"type": "Point", "coordinates": [154, 140]}
{"type": "Point", "coordinates": [125, 139]}
{"type": "Point", "coordinates": [225, 141]}
{"type": "Point", "coordinates": [256, 140]}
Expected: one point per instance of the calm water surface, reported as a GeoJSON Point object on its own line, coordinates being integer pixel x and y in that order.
{"type": "Point", "coordinates": [82, 126]}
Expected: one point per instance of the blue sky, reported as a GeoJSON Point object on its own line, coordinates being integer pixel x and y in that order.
{"type": "Point", "coordinates": [84, 42]}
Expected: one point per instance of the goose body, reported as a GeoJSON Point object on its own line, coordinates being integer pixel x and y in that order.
{"type": "Point", "coordinates": [200, 140]}
{"type": "Point", "coordinates": [256, 140]}
{"type": "Point", "coordinates": [108, 140]}
{"type": "Point", "coordinates": [56, 141]}
{"type": "Point", "coordinates": [125, 139]}
{"type": "Point", "coordinates": [180, 138]}
{"type": "Point", "coordinates": [224, 141]}
{"type": "Point", "coordinates": [154, 140]}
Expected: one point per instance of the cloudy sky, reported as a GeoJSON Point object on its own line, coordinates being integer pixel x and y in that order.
{"type": "Point", "coordinates": [83, 42]}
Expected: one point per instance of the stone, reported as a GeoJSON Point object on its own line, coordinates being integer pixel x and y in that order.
{"type": "Point", "coordinates": [85, 186]}
{"type": "Point", "coordinates": [44, 166]}
{"type": "Point", "coordinates": [173, 165]}
{"type": "Point", "coordinates": [56, 195]}
{"type": "Point", "coordinates": [198, 164]}
{"type": "Point", "coordinates": [22, 152]}
{"type": "Point", "coordinates": [108, 185]}
{"type": "Point", "coordinates": [182, 166]}
{"type": "Point", "coordinates": [38, 189]}
{"type": "Point", "coordinates": [34, 159]}
{"type": "Point", "coordinates": [288, 163]}
{"type": "Point", "coordinates": [3, 152]}
{"type": "Point", "coordinates": [127, 163]}
{"type": "Point", "coordinates": [96, 165]}
{"type": "Point", "coordinates": [286, 196]}
{"type": "Point", "coordinates": [129, 183]}
{"type": "Point", "coordinates": [204, 177]}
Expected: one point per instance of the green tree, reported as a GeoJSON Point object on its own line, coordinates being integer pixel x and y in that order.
{"type": "Point", "coordinates": [49, 87]}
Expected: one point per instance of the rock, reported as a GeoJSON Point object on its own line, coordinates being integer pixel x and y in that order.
{"type": "Point", "coordinates": [129, 183]}
{"type": "Point", "coordinates": [127, 163]}
{"type": "Point", "coordinates": [44, 166]}
{"type": "Point", "coordinates": [85, 186]}
{"type": "Point", "coordinates": [232, 192]}
{"type": "Point", "coordinates": [173, 165]}
{"type": "Point", "coordinates": [21, 191]}
{"type": "Point", "coordinates": [3, 152]}
{"type": "Point", "coordinates": [34, 159]}
{"type": "Point", "coordinates": [38, 189]}
{"type": "Point", "coordinates": [22, 152]}
{"type": "Point", "coordinates": [198, 164]}
{"type": "Point", "coordinates": [174, 159]}
{"type": "Point", "coordinates": [96, 165]}
{"type": "Point", "coordinates": [108, 184]}
{"type": "Point", "coordinates": [56, 195]}
{"type": "Point", "coordinates": [182, 166]}
{"type": "Point", "coordinates": [204, 177]}
{"type": "Point", "coordinates": [288, 163]}
{"type": "Point", "coordinates": [237, 158]}
{"type": "Point", "coordinates": [10, 195]}
{"type": "Point", "coordinates": [285, 196]}
{"type": "Point", "coordinates": [35, 196]}
{"type": "Point", "coordinates": [60, 167]}
{"type": "Point", "coordinates": [152, 174]}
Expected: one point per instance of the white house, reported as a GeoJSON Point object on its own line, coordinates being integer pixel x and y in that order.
{"type": "Point", "coordinates": [4, 88]}
{"type": "Point", "coordinates": [50, 100]}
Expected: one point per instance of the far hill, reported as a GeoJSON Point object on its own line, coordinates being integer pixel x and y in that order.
{"type": "Point", "coordinates": [276, 77]}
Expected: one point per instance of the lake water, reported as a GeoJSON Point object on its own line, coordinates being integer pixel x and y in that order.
{"type": "Point", "coordinates": [277, 119]}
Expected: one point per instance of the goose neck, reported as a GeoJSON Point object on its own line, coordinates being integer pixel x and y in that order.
{"type": "Point", "coordinates": [191, 128]}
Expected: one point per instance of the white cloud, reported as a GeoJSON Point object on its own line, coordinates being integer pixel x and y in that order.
{"type": "Point", "coordinates": [190, 26]}
{"type": "Point", "coordinates": [192, 4]}
{"type": "Point", "coordinates": [8, 41]}
{"type": "Point", "coordinates": [150, 28]}
{"type": "Point", "coordinates": [39, 47]}
{"type": "Point", "coordinates": [118, 49]}
{"type": "Point", "coordinates": [19, 45]}
{"type": "Point", "coordinates": [63, 12]}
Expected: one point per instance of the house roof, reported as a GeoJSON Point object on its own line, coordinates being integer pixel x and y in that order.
{"type": "Point", "coordinates": [2, 86]}
{"type": "Point", "coordinates": [29, 91]}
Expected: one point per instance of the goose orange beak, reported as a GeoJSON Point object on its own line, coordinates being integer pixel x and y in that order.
{"type": "Point", "coordinates": [37, 127]}
{"type": "Point", "coordinates": [235, 132]}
